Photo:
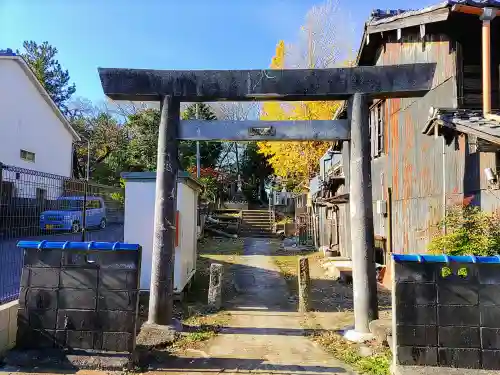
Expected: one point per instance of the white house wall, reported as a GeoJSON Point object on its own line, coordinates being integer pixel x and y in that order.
{"type": "Point", "coordinates": [27, 122]}
{"type": "Point", "coordinates": [187, 206]}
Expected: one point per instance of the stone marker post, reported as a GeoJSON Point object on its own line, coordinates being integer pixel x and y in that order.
{"type": "Point", "coordinates": [304, 284]}
{"type": "Point", "coordinates": [215, 287]}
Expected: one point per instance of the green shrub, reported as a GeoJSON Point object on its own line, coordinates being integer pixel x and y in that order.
{"type": "Point", "coordinates": [469, 231]}
{"type": "Point", "coordinates": [119, 195]}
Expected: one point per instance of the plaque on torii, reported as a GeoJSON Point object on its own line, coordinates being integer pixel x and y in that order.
{"type": "Point", "coordinates": [356, 84]}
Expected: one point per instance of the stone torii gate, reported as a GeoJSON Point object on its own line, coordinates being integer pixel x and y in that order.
{"type": "Point", "coordinates": [358, 84]}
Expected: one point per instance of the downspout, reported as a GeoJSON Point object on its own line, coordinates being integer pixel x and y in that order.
{"type": "Point", "coordinates": [486, 15]}
{"type": "Point", "coordinates": [443, 177]}
{"type": "Point", "coordinates": [444, 184]}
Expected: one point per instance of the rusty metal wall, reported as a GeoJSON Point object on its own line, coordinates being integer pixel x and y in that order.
{"type": "Point", "coordinates": [488, 199]}
{"type": "Point", "coordinates": [412, 163]}
{"type": "Point", "coordinates": [344, 230]}
{"type": "Point", "coordinates": [324, 227]}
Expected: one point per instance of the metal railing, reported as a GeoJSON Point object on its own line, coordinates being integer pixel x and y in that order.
{"type": "Point", "coordinates": [42, 206]}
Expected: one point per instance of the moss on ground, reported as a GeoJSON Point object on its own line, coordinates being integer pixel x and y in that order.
{"type": "Point", "coordinates": [376, 364]}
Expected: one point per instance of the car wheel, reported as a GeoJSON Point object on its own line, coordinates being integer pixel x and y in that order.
{"type": "Point", "coordinates": [75, 227]}
{"type": "Point", "coordinates": [102, 224]}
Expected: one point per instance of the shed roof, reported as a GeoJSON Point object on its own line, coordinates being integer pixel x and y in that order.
{"type": "Point", "coordinates": [386, 20]}
{"type": "Point", "coordinates": [151, 176]}
{"type": "Point", "coordinates": [389, 17]}
{"type": "Point", "coordinates": [9, 55]}
{"type": "Point", "coordinates": [467, 121]}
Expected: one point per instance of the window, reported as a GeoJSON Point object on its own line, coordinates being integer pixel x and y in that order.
{"type": "Point", "coordinates": [69, 205]}
{"type": "Point", "coordinates": [377, 128]}
{"type": "Point", "coordinates": [28, 156]}
{"type": "Point", "coordinates": [94, 203]}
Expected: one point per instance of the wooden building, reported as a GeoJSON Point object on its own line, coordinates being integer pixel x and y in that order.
{"type": "Point", "coordinates": [431, 152]}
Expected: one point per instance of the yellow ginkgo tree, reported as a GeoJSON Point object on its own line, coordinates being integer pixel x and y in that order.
{"type": "Point", "coordinates": [318, 46]}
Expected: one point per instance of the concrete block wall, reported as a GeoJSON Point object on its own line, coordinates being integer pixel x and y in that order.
{"type": "Point", "coordinates": [79, 299]}
{"type": "Point", "coordinates": [446, 312]}
{"type": "Point", "coordinates": [8, 325]}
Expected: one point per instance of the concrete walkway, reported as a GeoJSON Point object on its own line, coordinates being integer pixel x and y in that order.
{"type": "Point", "coordinates": [264, 335]}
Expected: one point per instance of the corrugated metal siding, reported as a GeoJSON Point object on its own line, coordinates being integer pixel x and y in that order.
{"type": "Point", "coordinates": [412, 164]}
{"type": "Point", "coordinates": [488, 199]}
{"type": "Point", "coordinates": [345, 231]}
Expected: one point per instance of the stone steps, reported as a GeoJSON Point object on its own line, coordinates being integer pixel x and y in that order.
{"type": "Point", "coordinates": [256, 223]}
{"type": "Point", "coordinates": [256, 220]}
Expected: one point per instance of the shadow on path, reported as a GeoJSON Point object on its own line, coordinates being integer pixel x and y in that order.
{"type": "Point", "coordinates": [239, 365]}
{"type": "Point", "coordinates": [258, 331]}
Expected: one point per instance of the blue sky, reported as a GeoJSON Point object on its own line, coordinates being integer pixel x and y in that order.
{"type": "Point", "coordinates": [167, 34]}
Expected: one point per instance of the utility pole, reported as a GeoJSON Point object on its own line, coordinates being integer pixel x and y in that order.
{"type": "Point", "coordinates": [362, 233]}
{"type": "Point", "coordinates": [237, 167]}
{"type": "Point", "coordinates": [162, 276]}
{"type": "Point", "coordinates": [198, 156]}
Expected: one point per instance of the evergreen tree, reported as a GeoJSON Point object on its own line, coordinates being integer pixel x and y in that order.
{"type": "Point", "coordinates": [41, 59]}
{"type": "Point", "coordinates": [209, 151]}
{"type": "Point", "coordinates": [255, 169]}
{"type": "Point", "coordinates": [142, 129]}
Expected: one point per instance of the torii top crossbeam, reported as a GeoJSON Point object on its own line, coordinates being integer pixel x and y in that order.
{"type": "Point", "coordinates": [285, 85]}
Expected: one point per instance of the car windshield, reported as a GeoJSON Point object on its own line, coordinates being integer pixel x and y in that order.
{"type": "Point", "coordinates": [69, 205]}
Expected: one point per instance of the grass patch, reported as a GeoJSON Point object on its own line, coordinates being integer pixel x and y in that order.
{"type": "Point", "coordinates": [220, 247]}
{"type": "Point", "coordinates": [288, 266]}
{"type": "Point", "coordinates": [213, 250]}
{"type": "Point", "coordinates": [201, 326]}
{"type": "Point", "coordinates": [376, 364]}
{"type": "Point", "coordinates": [202, 323]}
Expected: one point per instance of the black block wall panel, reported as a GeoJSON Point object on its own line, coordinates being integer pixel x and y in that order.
{"type": "Point", "coordinates": [447, 313]}
{"type": "Point", "coordinates": [79, 299]}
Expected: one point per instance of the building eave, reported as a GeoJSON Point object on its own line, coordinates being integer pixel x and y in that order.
{"type": "Point", "coordinates": [410, 18]}
{"type": "Point", "coordinates": [45, 95]}
{"type": "Point", "coordinates": [182, 176]}
{"type": "Point", "coordinates": [392, 20]}
{"type": "Point", "coordinates": [446, 121]}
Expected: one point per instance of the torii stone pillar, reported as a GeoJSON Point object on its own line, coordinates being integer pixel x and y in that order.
{"type": "Point", "coordinates": [161, 290]}
{"type": "Point", "coordinates": [362, 232]}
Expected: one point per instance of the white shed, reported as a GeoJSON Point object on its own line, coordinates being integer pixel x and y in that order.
{"type": "Point", "coordinates": [140, 188]}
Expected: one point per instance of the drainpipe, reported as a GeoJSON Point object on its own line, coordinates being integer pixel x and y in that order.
{"type": "Point", "coordinates": [444, 184]}
{"type": "Point", "coordinates": [487, 15]}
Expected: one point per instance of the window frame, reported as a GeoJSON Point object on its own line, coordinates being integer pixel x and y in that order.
{"type": "Point", "coordinates": [23, 154]}
{"type": "Point", "coordinates": [376, 128]}
{"type": "Point", "coordinates": [93, 204]}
